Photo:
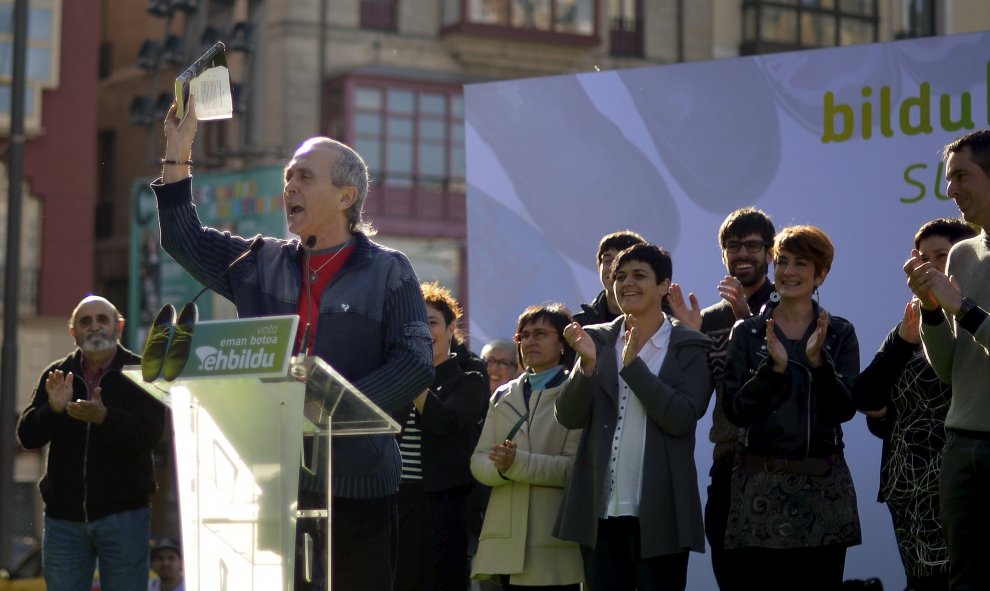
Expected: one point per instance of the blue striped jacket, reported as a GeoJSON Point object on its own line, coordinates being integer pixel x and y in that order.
{"type": "Point", "coordinates": [372, 325]}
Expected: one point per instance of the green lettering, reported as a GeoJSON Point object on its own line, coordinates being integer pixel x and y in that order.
{"type": "Point", "coordinates": [831, 110]}
{"type": "Point", "coordinates": [914, 182]}
{"type": "Point", "coordinates": [965, 116]}
{"type": "Point", "coordinates": [885, 128]}
{"type": "Point", "coordinates": [867, 114]}
{"type": "Point", "coordinates": [924, 113]}
{"type": "Point", "coordinates": [939, 176]}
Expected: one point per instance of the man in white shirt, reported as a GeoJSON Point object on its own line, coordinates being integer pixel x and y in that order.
{"type": "Point", "coordinates": [638, 389]}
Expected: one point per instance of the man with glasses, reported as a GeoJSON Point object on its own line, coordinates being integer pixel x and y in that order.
{"type": "Point", "coordinates": [745, 237]}
{"type": "Point", "coordinates": [502, 361]}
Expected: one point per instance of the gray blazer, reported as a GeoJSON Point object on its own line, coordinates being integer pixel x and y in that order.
{"type": "Point", "coordinates": [670, 509]}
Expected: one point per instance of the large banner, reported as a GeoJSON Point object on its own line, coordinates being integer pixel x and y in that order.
{"type": "Point", "coordinates": [847, 139]}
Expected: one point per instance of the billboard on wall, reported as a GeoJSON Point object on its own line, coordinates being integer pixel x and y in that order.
{"type": "Point", "coordinates": [245, 203]}
{"type": "Point", "coordinates": [847, 139]}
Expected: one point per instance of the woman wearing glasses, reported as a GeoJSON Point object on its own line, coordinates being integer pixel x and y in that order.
{"type": "Point", "coordinates": [788, 384]}
{"type": "Point", "coordinates": [526, 457]}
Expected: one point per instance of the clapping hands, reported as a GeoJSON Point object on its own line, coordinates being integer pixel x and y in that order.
{"type": "Point", "coordinates": [58, 386]}
{"type": "Point", "coordinates": [582, 345]}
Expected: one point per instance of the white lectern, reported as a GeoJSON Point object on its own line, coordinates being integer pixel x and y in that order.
{"type": "Point", "coordinates": [238, 444]}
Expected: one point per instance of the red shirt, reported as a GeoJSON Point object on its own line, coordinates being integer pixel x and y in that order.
{"type": "Point", "coordinates": [93, 375]}
{"type": "Point", "coordinates": [326, 266]}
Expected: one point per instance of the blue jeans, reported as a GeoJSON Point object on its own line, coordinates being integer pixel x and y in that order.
{"type": "Point", "coordinates": [964, 491]}
{"type": "Point", "coordinates": [120, 542]}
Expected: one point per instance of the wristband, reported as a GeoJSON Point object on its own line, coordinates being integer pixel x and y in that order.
{"type": "Point", "coordinates": [965, 305]}
{"type": "Point", "coordinates": [972, 319]}
{"type": "Point", "coordinates": [180, 162]}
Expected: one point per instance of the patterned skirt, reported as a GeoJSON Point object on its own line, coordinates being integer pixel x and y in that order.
{"type": "Point", "coordinates": [781, 510]}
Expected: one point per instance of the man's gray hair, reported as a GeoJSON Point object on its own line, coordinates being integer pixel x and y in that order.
{"type": "Point", "coordinates": [349, 170]}
{"type": "Point", "coordinates": [507, 345]}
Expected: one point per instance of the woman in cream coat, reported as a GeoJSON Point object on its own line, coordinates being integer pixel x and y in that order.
{"type": "Point", "coordinates": [526, 457]}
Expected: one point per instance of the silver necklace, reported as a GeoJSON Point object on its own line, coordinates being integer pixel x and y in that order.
{"type": "Point", "coordinates": [314, 273]}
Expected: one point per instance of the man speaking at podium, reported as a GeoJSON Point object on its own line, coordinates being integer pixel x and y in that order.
{"type": "Point", "coordinates": [370, 325]}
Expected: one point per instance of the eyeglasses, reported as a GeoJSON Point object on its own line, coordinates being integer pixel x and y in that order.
{"type": "Point", "coordinates": [752, 246]}
{"type": "Point", "coordinates": [538, 334]}
{"type": "Point", "coordinates": [503, 363]}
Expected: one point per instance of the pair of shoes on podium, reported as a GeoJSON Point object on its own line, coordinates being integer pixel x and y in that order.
{"type": "Point", "coordinates": [156, 345]}
{"type": "Point", "coordinates": [169, 342]}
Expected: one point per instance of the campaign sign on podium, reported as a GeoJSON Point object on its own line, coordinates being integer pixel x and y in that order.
{"type": "Point", "coordinates": [240, 410]}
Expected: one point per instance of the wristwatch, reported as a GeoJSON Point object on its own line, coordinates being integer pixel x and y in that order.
{"type": "Point", "coordinates": [965, 306]}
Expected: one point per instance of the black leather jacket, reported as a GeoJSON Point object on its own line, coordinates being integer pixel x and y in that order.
{"type": "Point", "coordinates": [796, 414]}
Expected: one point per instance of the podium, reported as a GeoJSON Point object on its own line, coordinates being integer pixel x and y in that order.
{"type": "Point", "coordinates": [238, 448]}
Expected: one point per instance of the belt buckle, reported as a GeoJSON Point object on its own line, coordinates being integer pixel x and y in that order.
{"type": "Point", "coordinates": [768, 462]}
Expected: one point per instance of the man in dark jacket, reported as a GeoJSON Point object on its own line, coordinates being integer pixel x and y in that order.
{"type": "Point", "coordinates": [745, 238]}
{"type": "Point", "coordinates": [364, 313]}
{"type": "Point", "coordinates": [101, 429]}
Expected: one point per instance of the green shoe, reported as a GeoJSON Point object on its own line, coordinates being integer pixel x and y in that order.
{"type": "Point", "coordinates": [178, 351]}
{"type": "Point", "coordinates": [159, 337]}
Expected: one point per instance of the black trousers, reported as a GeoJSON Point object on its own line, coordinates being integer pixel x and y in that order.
{"type": "Point", "coordinates": [807, 569]}
{"type": "Point", "coordinates": [964, 486]}
{"type": "Point", "coordinates": [615, 563]}
{"type": "Point", "coordinates": [725, 563]}
{"type": "Point", "coordinates": [364, 544]}
{"type": "Point", "coordinates": [432, 539]}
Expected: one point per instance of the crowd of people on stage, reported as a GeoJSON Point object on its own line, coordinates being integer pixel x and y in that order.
{"type": "Point", "coordinates": [590, 458]}
{"type": "Point", "coordinates": [564, 457]}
